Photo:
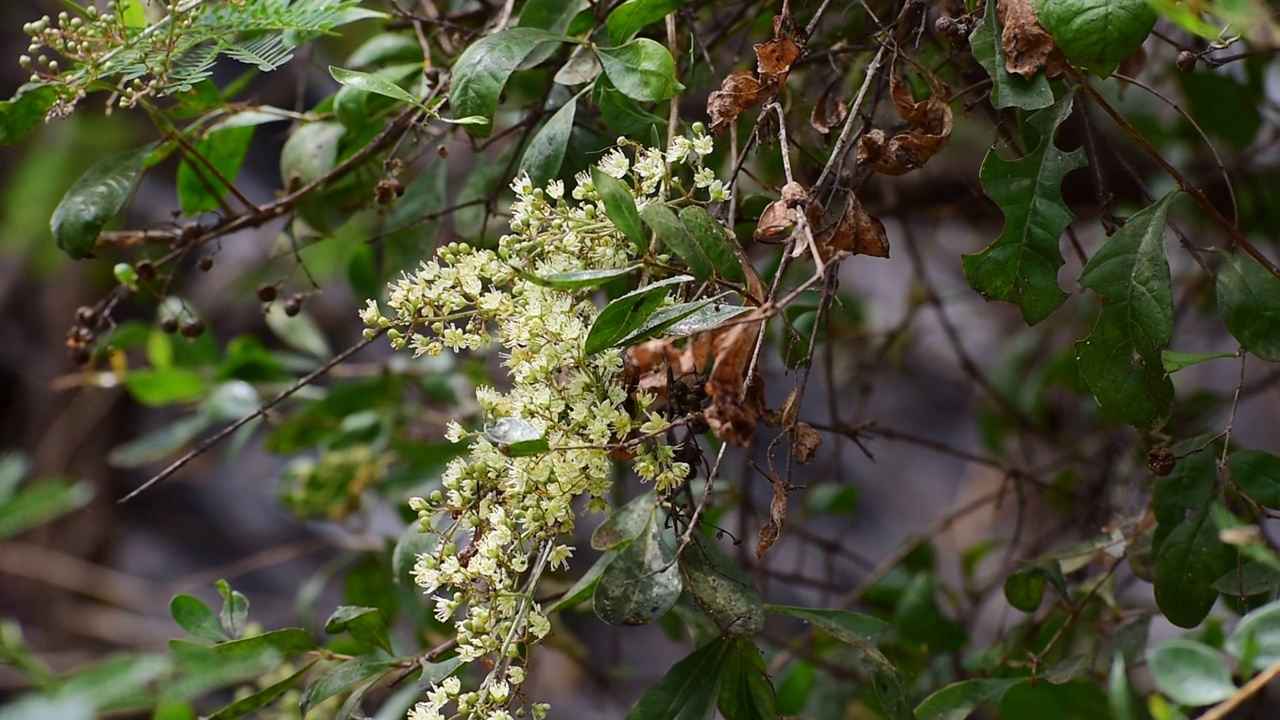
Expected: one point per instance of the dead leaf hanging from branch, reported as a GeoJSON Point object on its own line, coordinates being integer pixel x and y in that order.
{"type": "Point", "coordinates": [910, 149]}
{"type": "Point", "coordinates": [742, 89]}
{"type": "Point", "coordinates": [1028, 47]}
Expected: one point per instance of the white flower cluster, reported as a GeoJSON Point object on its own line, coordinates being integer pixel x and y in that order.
{"type": "Point", "coordinates": [499, 517]}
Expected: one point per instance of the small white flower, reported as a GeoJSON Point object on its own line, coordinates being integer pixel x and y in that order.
{"type": "Point", "coordinates": [615, 164]}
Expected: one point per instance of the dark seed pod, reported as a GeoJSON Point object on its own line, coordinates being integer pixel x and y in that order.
{"type": "Point", "coordinates": [1161, 461]}
{"type": "Point", "coordinates": [193, 328]}
{"type": "Point", "coordinates": [145, 269]}
{"type": "Point", "coordinates": [87, 316]}
{"type": "Point", "coordinates": [169, 325]}
{"type": "Point", "coordinates": [1186, 61]}
{"type": "Point", "coordinates": [205, 263]}
{"type": "Point", "coordinates": [293, 305]}
{"type": "Point", "coordinates": [266, 293]}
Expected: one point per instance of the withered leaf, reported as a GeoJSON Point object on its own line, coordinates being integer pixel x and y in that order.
{"type": "Point", "coordinates": [824, 115]}
{"type": "Point", "coordinates": [742, 90]}
{"type": "Point", "coordinates": [779, 216]}
{"type": "Point", "coordinates": [1028, 47]}
{"type": "Point", "coordinates": [805, 443]}
{"type": "Point", "coordinates": [911, 149]}
{"type": "Point", "coordinates": [775, 57]}
{"type": "Point", "coordinates": [857, 232]}
{"type": "Point", "coordinates": [728, 415]}
{"type": "Point", "coordinates": [777, 516]}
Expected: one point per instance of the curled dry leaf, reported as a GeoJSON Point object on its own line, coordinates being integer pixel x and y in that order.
{"type": "Point", "coordinates": [826, 116]}
{"type": "Point", "coordinates": [910, 149]}
{"type": "Point", "coordinates": [780, 215]}
{"type": "Point", "coordinates": [777, 516]}
{"type": "Point", "coordinates": [1028, 47]}
{"type": "Point", "coordinates": [742, 89]}
{"type": "Point", "coordinates": [728, 415]}
{"type": "Point", "coordinates": [857, 232]}
{"type": "Point", "coordinates": [805, 443]}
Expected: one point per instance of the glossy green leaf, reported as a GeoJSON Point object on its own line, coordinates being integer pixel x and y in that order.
{"type": "Point", "coordinates": [385, 48]}
{"type": "Point", "coordinates": [263, 697]}
{"type": "Point", "coordinates": [232, 400]}
{"type": "Point", "coordinates": [1258, 475]}
{"type": "Point", "coordinates": [94, 199]}
{"type": "Point", "coordinates": [624, 524]}
{"type": "Point", "coordinates": [1021, 266]}
{"type": "Point", "coordinates": [1190, 673]}
{"type": "Point", "coordinates": [709, 317]}
{"type": "Point", "coordinates": [622, 114]}
{"type": "Point", "coordinates": [715, 241]}
{"type": "Point", "coordinates": [584, 588]}
{"type": "Point", "coordinates": [165, 387]}
{"type": "Point", "coordinates": [642, 583]}
{"type": "Point", "coordinates": [481, 72]}
{"type": "Point", "coordinates": [202, 670]}
{"type": "Point", "coordinates": [300, 332]}
{"type": "Point", "coordinates": [1174, 361]}
{"type": "Point", "coordinates": [516, 437]}
{"type": "Point", "coordinates": [1190, 559]}
{"type": "Point", "coordinates": [626, 314]}
{"type": "Point", "coordinates": [641, 69]}
{"type": "Point", "coordinates": [545, 154]}
{"type": "Point", "coordinates": [310, 152]}
{"type": "Point", "coordinates": [1258, 634]}
{"type": "Point", "coordinates": [286, 641]}
{"type": "Point", "coordinates": [1191, 484]}
{"type": "Point", "coordinates": [676, 236]}
{"type": "Point", "coordinates": [196, 618]}
{"type": "Point", "coordinates": [581, 279]}
{"type": "Point", "coordinates": [235, 610]}
{"type": "Point", "coordinates": [794, 687]}
{"type": "Point", "coordinates": [745, 690]}
{"type": "Point", "coordinates": [664, 318]}
{"type": "Point", "coordinates": [1025, 587]}
{"type": "Point", "coordinates": [24, 110]}
{"type": "Point", "coordinates": [633, 15]}
{"type": "Point", "coordinates": [619, 206]}
{"type": "Point", "coordinates": [1007, 89]}
{"type": "Point", "coordinates": [366, 624]}
{"type": "Point", "coordinates": [39, 503]}
{"type": "Point", "coordinates": [1249, 296]}
{"type": "Point", "coordinates": [721, 589]}
{"type": "Point", "coordinates": [337, 679]}
{"type": "Point", "coordinates": [1251, 578]}
{"type": "Point", "coordinates": [159, 443]}
{"type": "Point", "coordinates": [1121, 359]}
{"type": "Point", "coordinates": [117, 682]}
{"type": "Point", "coordinates": [200, 189]}
{"type": "Point", "coordinates": [376, 84]}
{"type": "Point", "coordinates": [1096, 35]}
{"type": "Point", "coordinates": [958, 700]}
{"type": "Point", "coordinates": [551, 15]}
{"type": "Point", "coordinates": [689, 689]}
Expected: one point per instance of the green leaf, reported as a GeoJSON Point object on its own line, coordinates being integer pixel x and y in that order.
{"type": "Point", "coordinates": [1258, 474]}
{"type": "Point", "coordinates": [551, 15]}
{"type": "Point", "coordinates": [1191, 485]}
{"type": "Point", "coordinates": [582, 590]}
{"type": "Point", "coordinates": [667, 226]}
{"type": "Point", "coordinates": [286, 641]}
{"type": "Point", "coordinates": [199, 189]}
{"type": "Point", "coordinates": [231, 400]}
{"type": "Point", "coordinates": [626, 314]}
{"type": "Point", "coordinates": [721, 589]}
{"type": "Point", "coordinates": [119, 682]}
{"type": "Point", "coordinates": [1119, 695]}
{"type": "Point", "coordinates": [21, 113]}
{"type": "Point", "coordinates": [300, 332]}
{"type": "Point", "coordinates": [515, 437]}
{"type": "Point", "coordinates": [641, 69]}
{"type": "Point", "coordinates": [39, 503]}
{"type": "Point", "coordinates": [688, 691]}
{"type": "Point", "coordinates": [409, 239]}
{"type": "Point", "coordinates": [310, 152]}
{"type": "Point", "coordinates": [622, 114]}
{"type": "Point", "coordinates": [1190, 673]}
{"type": "Point", "coordinates": [619, 206]}
{"type": "Point", "coordinates": [261, 698]}
{"type": "Point", "coordinates": [94, 199]}
{"type": "Point", "coordinates": [165, 387]}
{"type": "Point", "coordinates": [1189, 561]}
{"type": "Point", "coordinates": [1174, 361]}
{"type": "Point", "coordinates": [958, 700]}
{"type": "Point", "coordinates": [377, 85]}
{"type": "Point", "coordinates": [580, 279]}
{"type": "Point", "coordinates": [545, 154]}
{"type": "Point", "coordinates": [662, 319]}
{"type": "Point", "coordinates": [159, 443]}
{"type": "Point", "coordinates": [1007, 89]}
{"type": "Point", "coordinates": [235, 610]}
{"type": "Point", "coordinates": [642, 583]}
{"type": "Point", "coordinates": [386, 48]}
{"type": "Point", "coordinates": [196, 618]}
{"type": "Point", "coordinates": [1096, 35]}
{"type": "Point", "coordinates": [715, 241]}
{"type": "Point", "coordinates": [1021, 266]}
{"type": "Point", "coordinates": [633, 15]}
{"type": "Point", "coordinates": [709, 317]}
{"type": "Point", "coordinates": [339, 678]}
{"type": "Point", "coordinates": [624, 524]}
{"type": "Point", "coordinates": [1025, 587]}
{"type": "Point", "coordinates": [745, 691]}
{"type": "Point", "coordinates": [1251, 578]}
{"type": "Point", "coordinates": [1257, 633]}
{"type": "Point", "coordinates": [366, 624]}
{"type": "Point", "coordinates": [1249, 296]}
{"type": "Point", "coordinates": [482, 70]}
{"type": "Point", "coordinates": [1121, 360]}
{"type": "Point", "coordinates": [794, 687]}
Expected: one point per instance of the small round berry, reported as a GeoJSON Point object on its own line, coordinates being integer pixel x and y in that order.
{"type": "Point", "coordinates": [205, 263]}
{"type": "Point", "coordinates": [145, 269]}
{"type": "Point", "coordinates": [87, 316]}
{"type": "Point", "coordinates": [193, 328]}
{"type": "Point", "coordinates": [293, 305]}
{"type": "Point", "coordinates": [1161, 461]}
{"type": "Point", "coordinates": [81, 355]}
{"type": "Point", "coordinates": [266, 293]}
{"type": "Point", "coordinates": [1187, 60]}
{"type": "Point", "coordinates": [169, 325]}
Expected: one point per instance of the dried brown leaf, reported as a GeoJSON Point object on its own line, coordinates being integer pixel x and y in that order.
{"type": "Point", "coordinates": [777, 517]}
{"type": "Point", "coordinates": [1028, 47]}
{"type": "Point", "coordinates": [742, 89]}
{"type": "Point", "coordinates": [805, 444]}
{"type": "Point", "coordinates": [780, 216]}
{"type": "Point", "coordinates": [857, 232]}
{"type": "Point", "coordinates": [728, 414]}
{"type": "Point", "coordinates": [826, 116]}
{"type": "Point", "coordinates": [911, 149]}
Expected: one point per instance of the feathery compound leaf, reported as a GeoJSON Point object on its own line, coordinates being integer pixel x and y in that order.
{"type": "Point", "coordinates": [1022, 265]}
{"type": "Point", "coordinates": [1121, 360]}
